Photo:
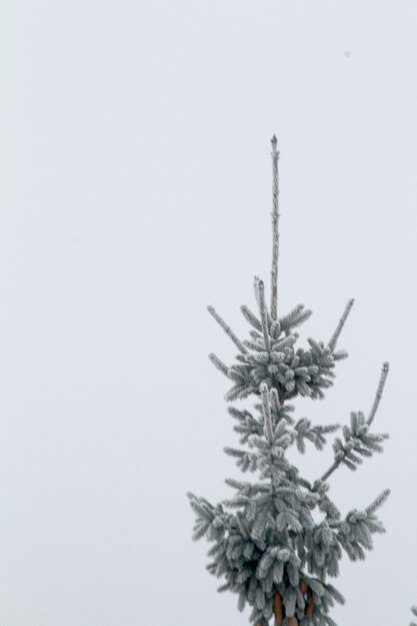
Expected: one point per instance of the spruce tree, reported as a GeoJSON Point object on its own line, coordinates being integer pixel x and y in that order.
{"type": "Point", "coordinates": [280, 538]}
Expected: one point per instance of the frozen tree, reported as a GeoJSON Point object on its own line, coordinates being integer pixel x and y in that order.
{"type": "Point", "coordinates": [414, 611]}
{"type": "Point", "coordinates": [280, 538]}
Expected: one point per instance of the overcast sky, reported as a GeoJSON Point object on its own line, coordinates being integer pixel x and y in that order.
{"type": "Point", "coordinates": [135, 190]}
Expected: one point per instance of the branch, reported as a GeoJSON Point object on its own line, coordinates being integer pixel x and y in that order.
{"type": "Point", "coordinates": [368, 441]}
{"type": "Point", "coordinates": [251, 318]}
{"type": "Point", "coordinates": [326, 475]}
{"type": "Point", "coordinates": [370, 510]}
{"type": "Point", "coordinates": [260, 295]}
{"type": "Point", "coordinates": [381, 385]}
{"type": "Point", "coordinates": [355, 532]}
{"type": "Point", "coordinates": [266, 410]}
{"type": "Point", "coordinates": [316, 434]}
{"type": "Point", "coordinates": [333, 340]}
{"type": "Point", "coordinates": [275, 233]}
{"type": "Point", "coordinates": [219, 364]}
{"type": "Point", "coordinates": [358, 443]}
{"type": "Point", "coordinates": [227, 329]}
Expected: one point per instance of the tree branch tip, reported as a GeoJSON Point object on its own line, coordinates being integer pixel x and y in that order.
{"type": "Point", "coordinates": [274, 142]}
{"type": "Point", "coordinates": [385, 494]}
{"type": "Point", "coordinates": [378, 502]}
{"type": "Point", "coordinates": [385, 367]}
{"type": "Point", "coordinates": [350, 304]}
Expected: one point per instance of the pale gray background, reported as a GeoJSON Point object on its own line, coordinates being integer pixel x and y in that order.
{"type": "Point", "coordinates": [135, 189]}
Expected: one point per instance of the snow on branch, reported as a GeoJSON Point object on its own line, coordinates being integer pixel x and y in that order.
{"type": "Point", "coordinates": [260, 293]}
{"type": "Point", "coordinates": [333, 340]}
{"type": "Point", "coordinates": [227, 329]}
{"type": "Point", "coordinates": [358, 441]}
{"type": "Point", "coordinates": [381, 385]}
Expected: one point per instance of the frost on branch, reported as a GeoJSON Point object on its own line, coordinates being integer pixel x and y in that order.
{"type": "Point", "coordinates": [279, 539]}
{"type": "Point", "coordinates": [270, 355]}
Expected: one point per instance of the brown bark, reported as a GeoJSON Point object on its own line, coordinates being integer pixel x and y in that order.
{"type": "Point", "coordinates": [279, 609]}
{"type": "Point", "coordinates": [303, 587]}
{"type": "Point", "coordinates": [310, 608]}
{"type": "Point", "coordinates": [278, 612]}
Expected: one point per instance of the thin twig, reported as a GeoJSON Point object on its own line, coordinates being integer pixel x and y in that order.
{"type": "Point", "coordinates": [275, 232]}
{"type": "Point", "coordinates": [330, 471]}
{"type": "Point", "coordinates": [379, 391]}
{"type": "Point", "coordinates": [219, 364]}
{"type": "Point", "coordinates": [333, 340]}
{"type": "Point", "coordinates": [378, 502]}
{"type": "Point", "coordinates": [229, 332]}
{"type": "Point", "coordinates": [260, 292]}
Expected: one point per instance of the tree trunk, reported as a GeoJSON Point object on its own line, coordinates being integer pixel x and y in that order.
{"type": "Point", "coordinates": [310, 608]}
{"type": "Point", "coordinates": [279, 609]}
{"type": "Point", "coordinates": [303, 587]}
{"type": "Point", "coordinates": [278, 612]}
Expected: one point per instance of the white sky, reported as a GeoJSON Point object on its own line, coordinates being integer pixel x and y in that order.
{"type": "Point", "coordinates": [135, 190]}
